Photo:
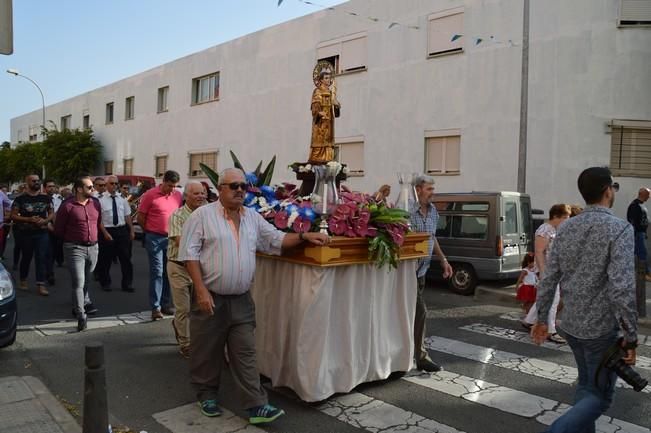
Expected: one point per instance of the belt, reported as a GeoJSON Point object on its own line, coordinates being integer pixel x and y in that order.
{"type": "Point", "coordinates": [116, 227]}
{"type": "Point", "coordinates": [82, 244]}
{"type": "Point", "coordinates": [177, 262]}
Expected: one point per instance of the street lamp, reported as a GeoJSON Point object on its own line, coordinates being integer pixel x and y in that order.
{"type": "Point", "coordinates": [18, 74]}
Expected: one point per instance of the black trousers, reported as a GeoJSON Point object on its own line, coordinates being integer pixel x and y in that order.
{"type": "Point", "coordinates": [120, 246]}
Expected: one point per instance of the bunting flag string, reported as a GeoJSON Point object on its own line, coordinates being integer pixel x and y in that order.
{"type": "Point", "coordinates": [391, 24]}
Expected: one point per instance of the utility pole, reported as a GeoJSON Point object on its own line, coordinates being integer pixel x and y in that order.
{"type": "Point", "coordinates": [524, 102]}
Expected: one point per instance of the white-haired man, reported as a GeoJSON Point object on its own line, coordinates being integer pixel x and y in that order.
{"type": "Point", "coordinates": [424, 218]}
{"type": "Point", "coordinates": [180, 282]}
{"type": "Point", "coordinates": [218, 246]}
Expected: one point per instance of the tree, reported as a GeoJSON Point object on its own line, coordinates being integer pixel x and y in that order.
{"type": "Point", "coordinates": [70, 153]}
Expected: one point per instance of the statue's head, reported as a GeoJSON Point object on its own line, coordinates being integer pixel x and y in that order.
{"type": "Point", "coordinates": [325, 77]}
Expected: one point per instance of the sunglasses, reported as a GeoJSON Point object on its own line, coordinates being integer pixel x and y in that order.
{"type": "Point", "coordinates": [235, 185]}
{"type": "Point", "coordinates": [614, 186]}
{"type": "Point", "coordinates": [100, 184]}
{"type": "Point", "coordinates": [88, 186]}
{"type": "Point", "coordinates": [113, 183]}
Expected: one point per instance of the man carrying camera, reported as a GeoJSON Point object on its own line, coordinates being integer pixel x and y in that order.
{"type": "Point", "coordinates": [592, 259]}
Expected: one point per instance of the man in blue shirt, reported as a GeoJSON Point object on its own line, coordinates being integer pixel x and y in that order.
{"type": "Point", "coordinates": [423, 219]}
{"type": "Point", "coordinates": [592, 260]}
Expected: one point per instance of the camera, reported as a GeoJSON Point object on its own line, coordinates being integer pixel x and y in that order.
{"type": "Point", "coordinates": [613, 361]}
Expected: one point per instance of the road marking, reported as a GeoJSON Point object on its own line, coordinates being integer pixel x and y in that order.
{"type": "Point", "coordinates": [510, 361]}
{"type": "Point", "coordinates": [517, 316]}
{"type": "Point", "coordinates": [523, 337]}
{"type": "Point", "coordinates": [70, 326]}
{"type": "Point", "coordinates": [376, 416]}
{"type": "Point", "coordinates": [544, 410]}
{"type": "Point", "coordinates": [189, 419]}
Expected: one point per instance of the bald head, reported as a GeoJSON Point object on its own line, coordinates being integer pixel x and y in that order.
{"type": "Point", "coordinates": [232, 188]}
{"type": "Point", "coordinates": [195, 194]}
{"type": "Point", "coordinates": [643, 194]}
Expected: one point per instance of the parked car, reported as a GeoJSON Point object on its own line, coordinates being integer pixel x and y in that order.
{"type": "Point", "coordinates": [8, 309]}
{"type": "Point", "coordinates": [484, 236]}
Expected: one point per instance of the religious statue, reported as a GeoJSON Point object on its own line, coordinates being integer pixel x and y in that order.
{"type": "Point", "coordinates": [325, 108]}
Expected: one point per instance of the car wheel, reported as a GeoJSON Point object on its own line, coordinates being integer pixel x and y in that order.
{"type": "Point", "coordinates": [463, 280]}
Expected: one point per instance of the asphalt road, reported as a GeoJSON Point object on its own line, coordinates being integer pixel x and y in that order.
{"type": "Point", "coordinates": [146, 375]}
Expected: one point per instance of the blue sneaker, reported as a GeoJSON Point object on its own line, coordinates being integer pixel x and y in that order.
{"type": "Point", "coordinates": [264, 414]}
{"type": "Point", "coordinates": [210, 408]}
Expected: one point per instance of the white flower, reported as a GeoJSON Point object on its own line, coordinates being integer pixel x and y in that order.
{"type": "Point", "coordinates": [308, 167]}
{"type": "Point", "coordinates": [291, 218]}
{"type": "Point", "coordinates": [262, 201]}
{"type": "Point", "coordinates": [316, 199]}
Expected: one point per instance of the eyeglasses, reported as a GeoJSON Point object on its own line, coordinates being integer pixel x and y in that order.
{"type": "Point", "coordinates": [615, 186]}
{"type": "Point", "coordinates": [235, 185]}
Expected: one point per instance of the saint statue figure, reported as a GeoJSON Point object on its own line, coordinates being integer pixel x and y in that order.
{"type": "Point", "coordinates": [325, 108]}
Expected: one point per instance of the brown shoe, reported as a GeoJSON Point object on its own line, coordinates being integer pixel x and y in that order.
{"type": "Point", "coordinates": [156, 314]}
{"type": "Point", "coordinates": [185, 351]}
{"type": "Point", "coordinates": [42, 290]}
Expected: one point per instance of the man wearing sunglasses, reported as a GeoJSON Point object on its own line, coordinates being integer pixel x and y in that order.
{"type": "Point", "coordinates": [592, 259]}
{"type": "Point", "coordinates": [218, 245]}
{"type": "Point", "coordinates": [156, 207]}
{"type": "Point", "coordinates": [77, 223]}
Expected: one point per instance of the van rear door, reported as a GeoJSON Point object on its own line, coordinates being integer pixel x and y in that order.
{"type": "Point", "coordinates": [511, 233]}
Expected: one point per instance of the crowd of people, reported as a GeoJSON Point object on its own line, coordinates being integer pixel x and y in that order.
{"type": "Point", "coordinates": [201, 252]}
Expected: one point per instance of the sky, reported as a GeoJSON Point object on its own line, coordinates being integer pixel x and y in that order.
{"type": "Point", "coordinates": [70, 47]}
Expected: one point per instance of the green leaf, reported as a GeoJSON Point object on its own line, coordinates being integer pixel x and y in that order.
{"type": "Point", "coordinates": [212, 175]}
{"type": "Point", "coordinates": [236, 162]}
{"type": "Point", "coordinates": [257, 170]}
{"type": "Point", "coordinates": [268, 173]}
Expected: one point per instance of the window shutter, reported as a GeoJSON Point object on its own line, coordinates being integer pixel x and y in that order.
{"type": "Point", "coordinates": [441, 32]}
{"type": "Point", "coordinates": [353, 54]}
{"type": "Point", "coordinates": [352, 154]}
{"type": "Point", "coordinates": [452, 147]}
{"type": "Point", "coordinates": [635, 12]}
{"type": "Point", "coordinates": [434, 154]}
{"type": "Point", "coordinates": [328, 51]}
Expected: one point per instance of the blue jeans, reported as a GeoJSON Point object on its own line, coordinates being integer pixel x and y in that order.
{"type": "Point", "coordinates": [81, 262]}
{"type": "Point", "coordinates": [591, 399]}
{"type": "Point", "coordinates": [159, 286]}
{"type": "Point", "coordinates": [33, 243]}
{"type": "Point", "coordinates": [640, 249]}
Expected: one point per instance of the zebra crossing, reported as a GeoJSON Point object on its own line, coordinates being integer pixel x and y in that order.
{"type": "Point", "coordinates": [414, 403]}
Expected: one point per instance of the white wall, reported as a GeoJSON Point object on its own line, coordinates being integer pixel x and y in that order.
{"type": "Point", "coordinates": [584, 71]}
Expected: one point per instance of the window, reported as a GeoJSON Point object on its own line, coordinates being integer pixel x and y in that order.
{"type": "Point", "coordinates": [109, 113]}
{"type": "Point", "coordinates": [444, 32]}
{"type": "Point", "coordinates": [108, 167]}
{"type": "Point", "coordinates": [351, 154]}
{"type": "Point", "coordinates": [161, 165]}
{"type": "Point", "coordinates": [86, 121]}
{"type": "Point", "coordinates": [208, 158]}
{"type": "Point", "coordinates": [128, 166]}
{"type": "Point", "coordinates": [19, 136]}
{"type": "Point", "coordinates": [346, 54]}
{"type": "Point", "coordinates": [33, 133]}
{"type": "Point", "coordinates": [65, 122]}
{"type": "Point", "coordinates": [162, 98]}
{"type": "Point", "coordinates": [205, 89]}
{"type": "Point", "coordinates": [462, 227]}
{"type": "Point", "coordinates": [630, 151]}
{"type": "Point", "coordinates": [442, 154]}
{"type": "Point", "coordinates": [510, 217]}
{"type": "Point", "coordinates": [130, 108]}
{"type": "Point", "coordinates": [634, 13]}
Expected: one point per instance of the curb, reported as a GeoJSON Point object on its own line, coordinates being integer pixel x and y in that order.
{"type": "Point", "coordinates": [506, 296]}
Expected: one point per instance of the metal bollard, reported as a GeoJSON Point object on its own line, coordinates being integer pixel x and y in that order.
{"type": "Point", "coordinates": [640, 286]}
{"type": "Point", "coordinates": [95, 398]}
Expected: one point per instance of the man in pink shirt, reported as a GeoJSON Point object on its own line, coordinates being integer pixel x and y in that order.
{"type": "Point", "coordinates": [156, 207]}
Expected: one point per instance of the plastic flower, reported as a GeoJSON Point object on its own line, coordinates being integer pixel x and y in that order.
{"type": "Point", "coordinates": [337, 226]}
{"type": "Point", "coordinates": [291, 208]}
{"type": "Point", "coordinates": [281, 220]}
{"type": "Point", "coordinates": [251, 178]}
{"type": "Point", "coordinates": [250, 199]}
{"type": "Point", "coordinates": [292, 218]}
{"type": "Point", "coordinates": [307, 213]}
{"type": "Point", "coordinates": [301, 225]}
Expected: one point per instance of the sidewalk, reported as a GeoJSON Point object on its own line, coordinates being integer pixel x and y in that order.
{"type": "Point", "coordinates": [27, 406]}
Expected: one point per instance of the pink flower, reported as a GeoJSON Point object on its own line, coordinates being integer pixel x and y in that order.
{"type": "Point", "coordinates": [280, 219]}
{"type": "Point", "coordinates": [364, 215]}
{"type": "Point", "coordinates": [337, 226]}
{"type": "Point", "coordinates": [301, 225]}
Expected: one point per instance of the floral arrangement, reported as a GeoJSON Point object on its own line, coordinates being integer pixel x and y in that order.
{"type": "Point", "coordinates": [356, 214]}
{"type": "Point", "coordinates": [360, 216]}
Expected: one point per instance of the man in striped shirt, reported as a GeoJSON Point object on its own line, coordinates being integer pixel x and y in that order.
{"type": "Point", "coordinates": [180, 282]}
{"type": "Point", "coordinates": [218, 246]}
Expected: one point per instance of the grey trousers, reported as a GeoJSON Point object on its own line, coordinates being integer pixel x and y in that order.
{"type": "Point", "coordinates": [232, 323]}
{"type": "Point", "coordinates": [81, 262]}
{"type": "Point", "coordinates": [420, 352]}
